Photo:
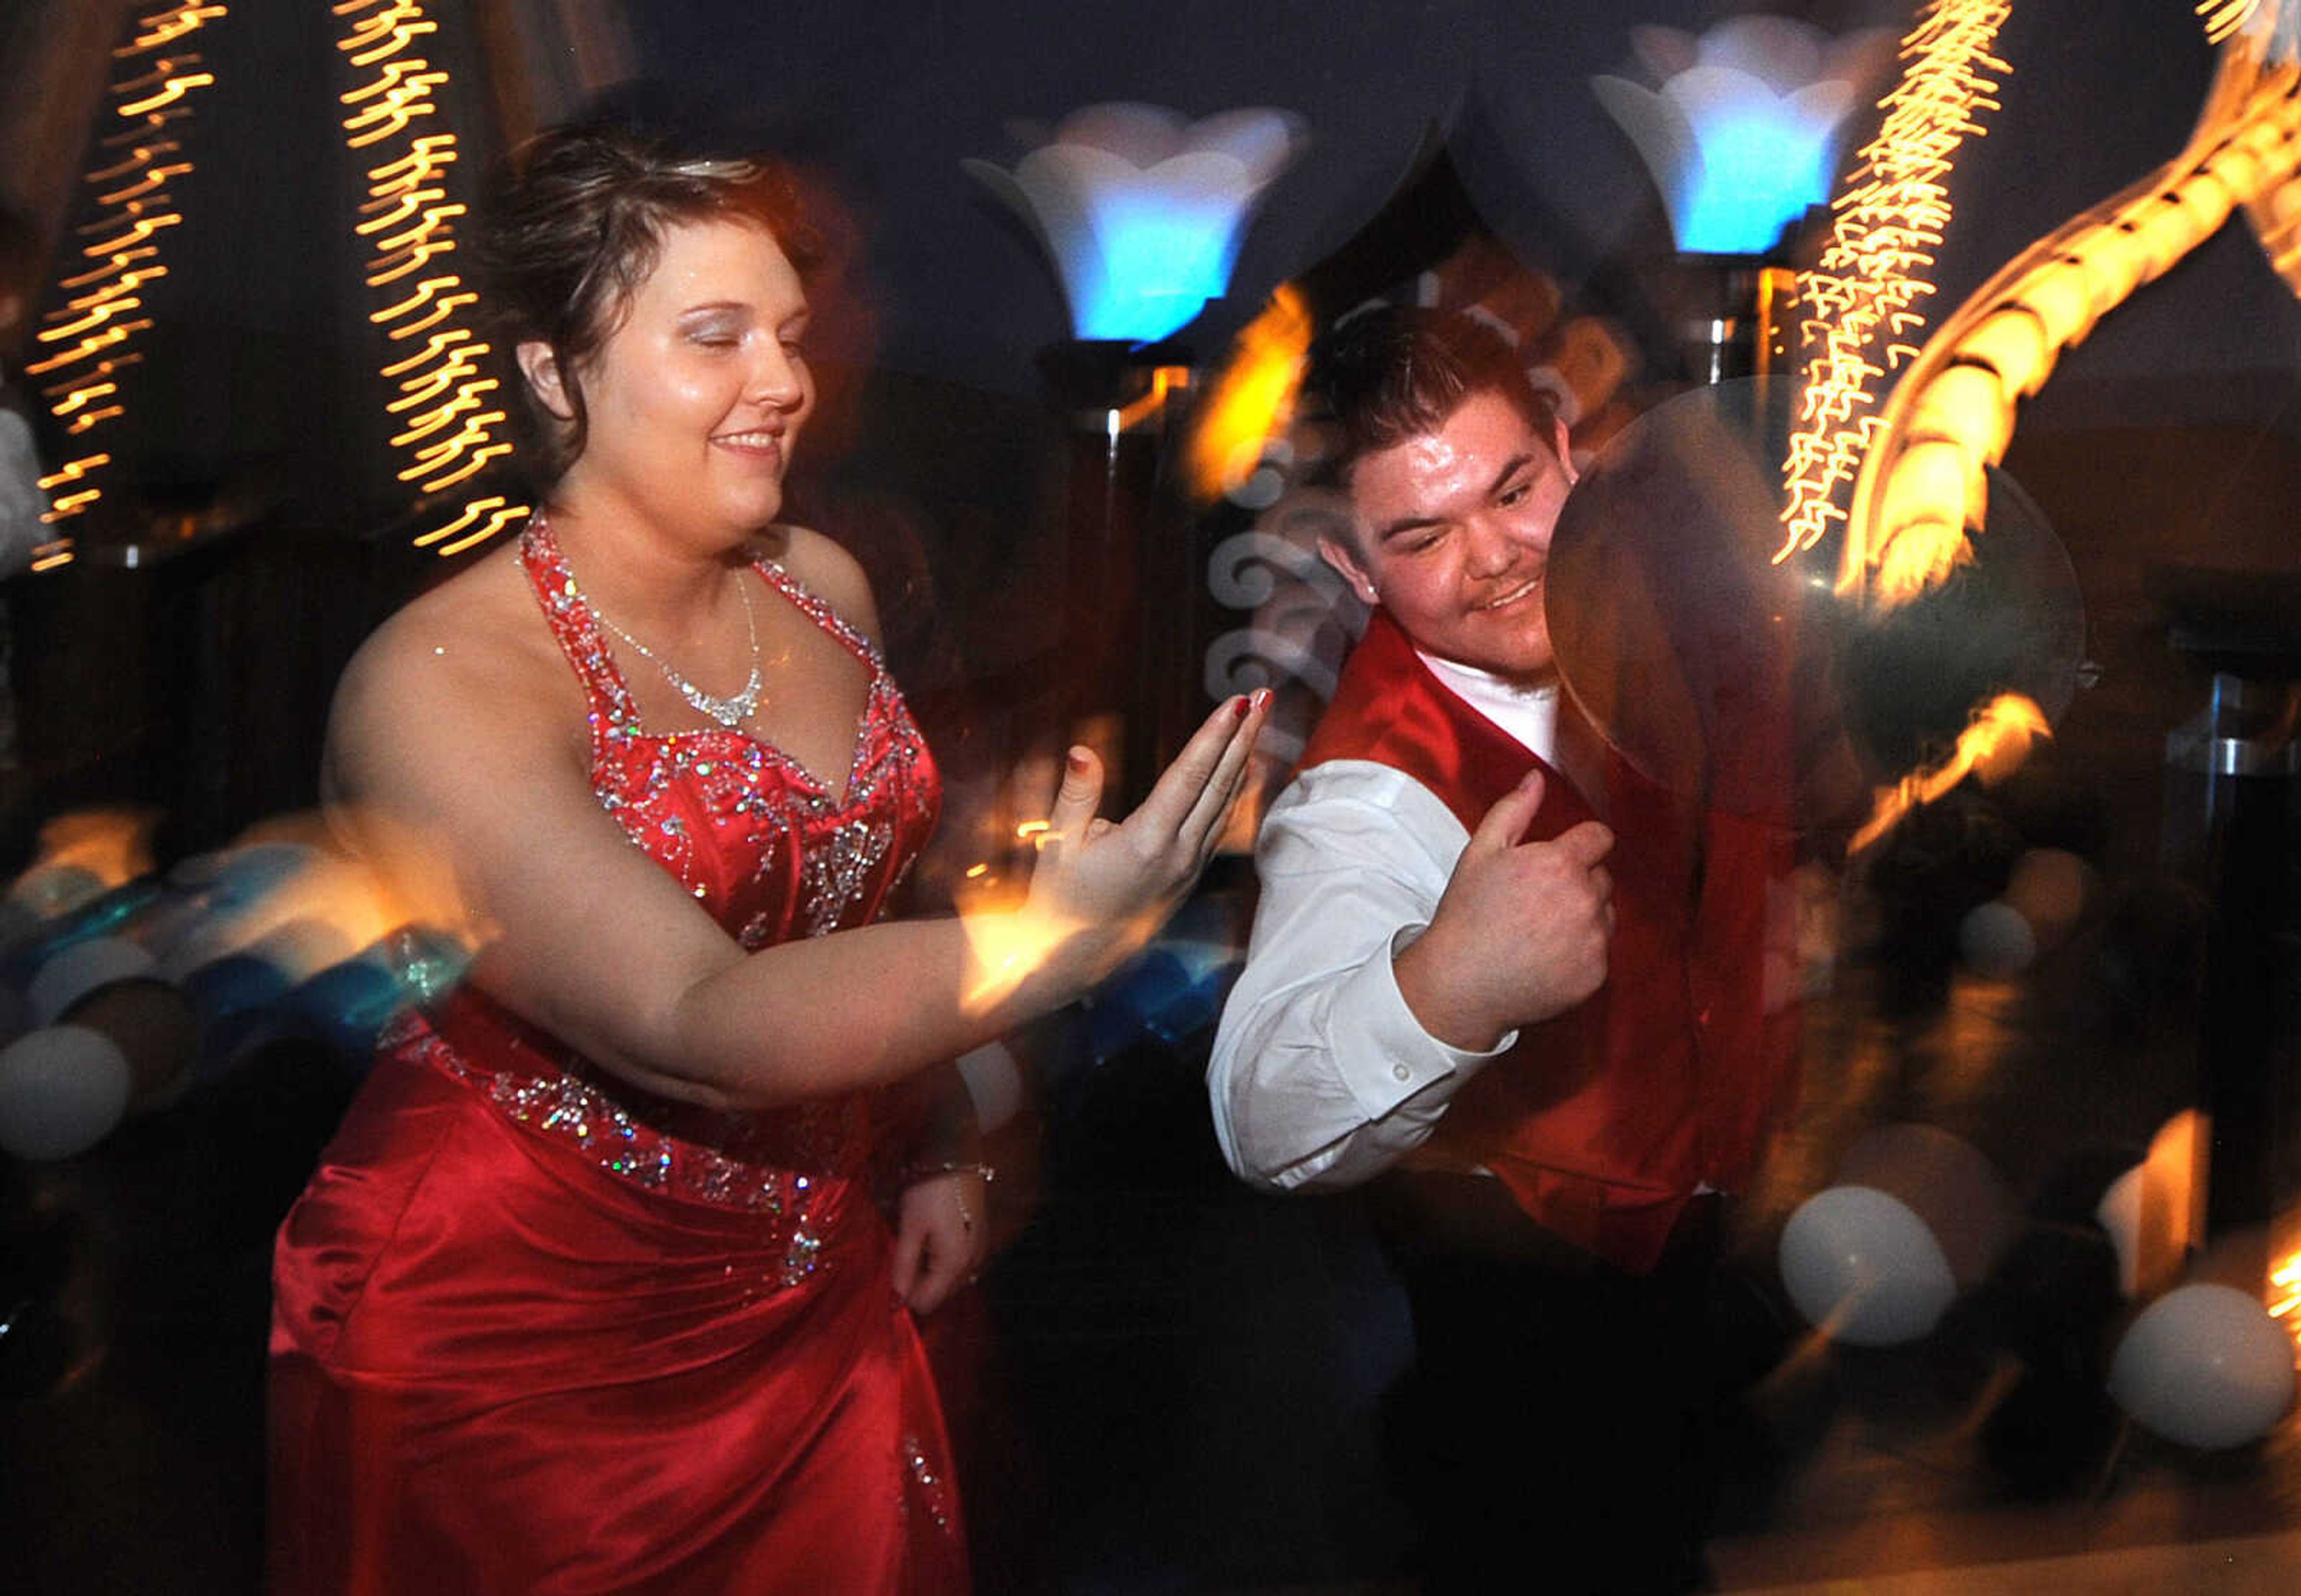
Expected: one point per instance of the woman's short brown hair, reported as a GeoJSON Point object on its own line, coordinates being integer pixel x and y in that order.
{"type": "Point", "coordinates": [574, 225]}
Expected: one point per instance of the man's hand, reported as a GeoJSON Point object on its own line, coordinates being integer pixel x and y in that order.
{"type": "Point", "coordinates": [1520, 933]}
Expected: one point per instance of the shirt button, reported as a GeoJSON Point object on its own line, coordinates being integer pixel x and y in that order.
{"type": "Point", "coordinates": [1398, 1072]}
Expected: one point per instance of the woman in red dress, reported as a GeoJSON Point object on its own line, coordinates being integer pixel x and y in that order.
{"type": "Point", "coordinates": [589, 1292]}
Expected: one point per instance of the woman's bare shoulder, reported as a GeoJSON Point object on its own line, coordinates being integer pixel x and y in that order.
{"type": "Point", "coordinates": [472, 657]}
{"type": "Point", "coordinates": [827, 569]}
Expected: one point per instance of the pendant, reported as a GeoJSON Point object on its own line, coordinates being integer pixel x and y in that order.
{"type": "Point", "coordinates": [729, 713]}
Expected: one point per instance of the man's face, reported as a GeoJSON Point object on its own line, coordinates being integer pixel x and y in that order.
{"type": "Point", "coordinates": [1453, 537]}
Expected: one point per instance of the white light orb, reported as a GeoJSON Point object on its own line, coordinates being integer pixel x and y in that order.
{"type": "Point", "coordinates": [1863, 1269]}
{"type": "Point", "coordinates": [74, 971]}
{"type": "Point", "coordinates": [62, 1090]}
{"type": "Point", "coordinates": [2119, 1212]}
{"type": "Point", "coordinates": [2204, 1366]}
{"type": "Point", "coordinates": [1997, 940]}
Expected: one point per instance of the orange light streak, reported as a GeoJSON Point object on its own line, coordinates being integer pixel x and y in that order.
{"type": "Point", "coordinates": [162, 69]}
{"type": "Point", "coordinates": [1164, 380]}
{"type": "Point", "coordinates": [473, 434]}
{"type": "Point", "coordinates": [1253, 399]}
{"type": "Point", "coordinates": [139, 229]}
{"type": "Point", "coordinates": [175, 90]}
{"type": "Point", "coordinates": [406, 220]}
{"type": "Point", "coordinates": [95, 315]}
{"type": "Point", "coordinates": [449, 303]}
{"type": "Point", "coordinates": [1994, 742]}
{"type": "Point", "coordinates": [2285, 1287]}
{"type": "Point", "coordinates": [170, 25]}
{"type": "Point", "coordinates": [120, 262]}
{"type": "Point", "coordinates": [391, 116]}
{"type": "Point", "coordinates": [496, 524]}
{"type": "Point", "coordinates": [470, 467]}
{"type": "Point", "coordinates": [142, 154]}
{"type": "Point", "coordinates": [504, 513]}
{"type": "Point", "coordinates": [414, 258]}
{"type": "Point", "coordinates": [467, 398]}
{"type": "Point", "coordinates": [109, 337]}
{"type": "Point", "coordinates": [424, 291]}
{"type": "Point", "coordinates": [411, 201]}
{"type": "Point", "coordinates": [460, 367]}
{"type": "Point", "coordinates": [150, 184]}
{"type": "Point", "coordinates": [2225, 17]}
{"type": "Point", "coordinates": [427, 158]}
{"type": "Point", "coordinates": [126, 282]}
{"type": "Point", "coordinates": [74, 471]}
{"type": "Point", "coordinates": [429, 353]}
{"type": "Point", "coordinates": [435, 220]}
{"type": "Point", "coordinates": [80, 397]}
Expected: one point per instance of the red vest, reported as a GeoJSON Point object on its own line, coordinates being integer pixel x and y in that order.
{"type": "Point", "coordinates": [1604, 1120]}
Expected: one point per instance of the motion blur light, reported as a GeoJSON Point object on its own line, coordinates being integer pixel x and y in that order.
{"type": "Point", "coordinates": [1141, 210]}
{"type": "Point", "coordinates": [1742, 136]}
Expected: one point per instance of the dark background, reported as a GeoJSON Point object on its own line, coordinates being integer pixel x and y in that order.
{"type": "Point", "coordinates": [1181, 1358]}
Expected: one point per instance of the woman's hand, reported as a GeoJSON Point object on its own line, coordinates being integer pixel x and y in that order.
{"type": "Point", "coordinates": [1101, 888]}
{"type": "Point", "coordinates": [942, 1234]}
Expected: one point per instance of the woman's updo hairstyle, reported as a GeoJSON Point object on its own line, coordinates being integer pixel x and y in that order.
{"type": "Point", "coordinates": [575, 223]}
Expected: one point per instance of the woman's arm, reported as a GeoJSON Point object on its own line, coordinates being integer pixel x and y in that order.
{"type": "Point", "coordinates": [464, 780]}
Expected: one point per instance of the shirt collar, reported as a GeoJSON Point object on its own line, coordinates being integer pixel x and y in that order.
{"type": "Point", "coordinates": [1529, 714]}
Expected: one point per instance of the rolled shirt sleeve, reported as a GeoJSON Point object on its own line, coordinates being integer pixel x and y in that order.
{"type": "Point", "coordinates": [1321, 1074]}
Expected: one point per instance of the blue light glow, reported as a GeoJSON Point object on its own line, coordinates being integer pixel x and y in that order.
{"type": "Point", "coordinates": [1148, 265]}
{"type": "Point", "coordinates": [1756, 174]}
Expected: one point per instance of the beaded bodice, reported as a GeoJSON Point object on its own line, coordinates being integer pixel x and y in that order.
{"type": "Point", "coordinates": [769, 851]}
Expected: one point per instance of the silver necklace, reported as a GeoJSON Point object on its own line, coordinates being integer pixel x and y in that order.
{"type": "Point", "coordinates": [729, 712]}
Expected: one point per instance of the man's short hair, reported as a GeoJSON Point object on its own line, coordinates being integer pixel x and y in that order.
{"type": "Point", "coordinates": [1399, 371]}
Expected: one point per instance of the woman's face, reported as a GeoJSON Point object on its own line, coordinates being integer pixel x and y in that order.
{"type": "Point", "coordinates": [696, 399]}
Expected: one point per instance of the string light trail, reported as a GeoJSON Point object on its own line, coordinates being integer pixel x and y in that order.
{"type": "Point", "coordinates": [95, 329]}
{"type": "Point", "coordinates": [1922, 485]}
{"type": "Point", "coordinates": [2225, 17]}
{"type": "Point", "coordinates": [1861, 301]}
{"type": "Point", "coordinates": [1992, 744]}
{"type": "Point", "coordinates": [450, 425]}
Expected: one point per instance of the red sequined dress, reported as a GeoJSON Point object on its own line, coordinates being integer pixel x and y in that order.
{"type": "Point", "coordinates": [535, 1331]}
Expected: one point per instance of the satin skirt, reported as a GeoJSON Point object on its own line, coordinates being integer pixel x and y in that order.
{"type": "Point", "coordinates": [496, 1368]}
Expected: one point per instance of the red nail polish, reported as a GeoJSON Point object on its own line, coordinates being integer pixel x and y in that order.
{"type": "Point", "coordinates": [1076, 760]}
{"type": "Point", "coordinates": [1262, 698]}
{"type": "Point", "coordinates": [1238, 708]}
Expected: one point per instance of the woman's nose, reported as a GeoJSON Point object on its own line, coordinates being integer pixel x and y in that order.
{"type": "Point", "coordinates": [779, 379]}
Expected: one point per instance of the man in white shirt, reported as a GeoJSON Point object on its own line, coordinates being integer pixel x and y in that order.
{"type": "Point", "coordinates": [1548, 1038]}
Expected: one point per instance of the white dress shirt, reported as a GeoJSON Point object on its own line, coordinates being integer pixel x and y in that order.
{"type": "Point", "coordinates": [1321, 1075]}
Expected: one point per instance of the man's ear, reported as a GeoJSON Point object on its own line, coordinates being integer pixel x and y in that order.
{"type": "Point", "coordinates": [1345, 561]}
{"type": "Point", "coordinates": [541, 367]}
{"type": "Point", "coordinates": [1564, 445]}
